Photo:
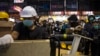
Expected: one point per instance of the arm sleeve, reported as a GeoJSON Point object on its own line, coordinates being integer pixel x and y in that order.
{"type": "Point", "coordinates": [45, 34]}
{"type": "Point", "coordinates": [17, 27]}
{"type": "Point", "coordinates": [6, 39]}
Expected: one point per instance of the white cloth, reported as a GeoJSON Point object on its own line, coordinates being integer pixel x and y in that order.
{"type": "Point", "coordinates": [6, 39]}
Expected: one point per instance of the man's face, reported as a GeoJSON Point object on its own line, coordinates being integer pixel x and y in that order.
{"type": "Point", "coordinates": [96, 25]}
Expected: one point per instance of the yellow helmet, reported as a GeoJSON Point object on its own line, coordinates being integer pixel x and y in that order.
{"type": "Point", "coordinates": [4, 15]}
{"type": "Point", "coordinates": [63, 44]}
{"type": "Point", "coordinates": [86, 20]}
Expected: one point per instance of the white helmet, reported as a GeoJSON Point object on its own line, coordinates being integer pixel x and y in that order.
{"type": "Point", "coordinates": [28, 11]}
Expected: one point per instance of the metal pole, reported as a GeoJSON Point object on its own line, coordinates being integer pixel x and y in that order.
{"type": "Point", "coordinates": [50, 7]}
{"type": "Point", "coordinates": [58, 47]}
{"type": "Point", "coordinates": [64, 7]}
{"type": "Point", "coordinates": [83, 37]}
{"type": "Point", "coordinates": [75, 45]}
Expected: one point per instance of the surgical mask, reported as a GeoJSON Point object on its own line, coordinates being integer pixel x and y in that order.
{"type": "Point", "coordinates": [91, 19]}
{"type": "Point", "coordinates": [28, 23]}
{"type": "Point", "coordinates": [96, 27]}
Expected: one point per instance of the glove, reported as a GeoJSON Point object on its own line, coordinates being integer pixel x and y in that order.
{"type": "Point", "coordinates": [6, 39]}
{"type": "Point", "coordinates": [78, 28]}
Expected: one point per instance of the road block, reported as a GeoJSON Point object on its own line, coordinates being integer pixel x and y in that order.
{"type": "Point", "coordinates": [75, 42]}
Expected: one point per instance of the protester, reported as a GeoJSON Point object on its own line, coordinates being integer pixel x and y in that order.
{"type": "Point", "coordinates": [95, 45]}
{"type": "Point", "coordinates": [87, 28]}
{"type": "Point", "coordinates": [27, 29]}
{"type": "Point", "coordinates": [6, 39]}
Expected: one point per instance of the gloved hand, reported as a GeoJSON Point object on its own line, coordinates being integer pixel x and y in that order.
{"type": "Point", "coordinates": [78, 28]}
{"type": "Point", "coordinates": [6, 39]}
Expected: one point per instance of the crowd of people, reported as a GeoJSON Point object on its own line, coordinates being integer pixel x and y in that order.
{"type": "Point", "coordinates": [31, 29]}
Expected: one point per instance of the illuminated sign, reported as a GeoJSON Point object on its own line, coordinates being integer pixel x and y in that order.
{"type": "Point", "coordinates": [57, 13]}
{"type": "Point", "coordinates": [18, 1]}
{"type": "Point", "coordinates": [87, 13]}
{"type": "Point", "coordinates": [72, 12]}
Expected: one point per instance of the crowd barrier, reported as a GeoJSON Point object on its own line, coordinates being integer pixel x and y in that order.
{"type": "Point", "coordinates": [75, 43]}
{"type": "Point", "coordinates": [5, 27]}
{"type": "Point", "coordinates": [26, 48]}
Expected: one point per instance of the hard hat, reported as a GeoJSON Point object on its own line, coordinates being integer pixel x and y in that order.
{"type": "Point", "coordinates": [63, 44]}
{"type": "Point", "coordinates": [28, 11]}
{"type": "Point", "coordinates": [73, 18]}
{"type": "Point", "coordinates": [91, 18]}
{"type": "Point", "coordinates": [4, 15]}
{"type": "Point", "coordinates": [86, 20]}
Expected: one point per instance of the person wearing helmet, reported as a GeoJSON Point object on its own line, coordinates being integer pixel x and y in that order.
{"type": "Point", "coordinates": [91, 18]}
{"type": "Point", "coordinates": [73, 20]}
{"type": "Point", "coordinates": [27, 29]}
{"type": "Point", "coordinates": [6, 39]}
{"type": "Point", "coordinates": [87, 28]}
{"type": "Point", "coordinates": [95, 50]}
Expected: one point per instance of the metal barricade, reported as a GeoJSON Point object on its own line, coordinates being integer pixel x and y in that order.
{"type": "Point", "coordinates": [75, 42]}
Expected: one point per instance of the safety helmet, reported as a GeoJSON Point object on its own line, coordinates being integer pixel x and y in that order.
{"type": "Point", "coordinates": [91, 18]}
{"type": "Point", "coordinates": [4, 15]}
{"type": "Point", "coordinates": [73, 18]}
{"type": "Point", "coordinates": [28, 11]}
{"type": "Point", "coordinates": [86, 20]}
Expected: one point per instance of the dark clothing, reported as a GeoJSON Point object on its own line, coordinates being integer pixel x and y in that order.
{"type": "Point", "coordinates": [50, 29]}
{"type": "Point", "coordinates": [26, 34]}
{"type": "Point", "coordinates": [88, 33]}
{"type": "Point", "coordinates": [95, 46]}
{"type": "Point", "coordinates": [87, 29]}
{"type": "Point", "coordinates": [53, 47]}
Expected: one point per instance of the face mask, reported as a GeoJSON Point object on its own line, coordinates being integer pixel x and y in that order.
{"type": "Point", "coordinates": [91, 19]}
{"type": "Point", "coordinates": [28, 23]}
{"type": "Point", "coordinates": [96, 27]}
